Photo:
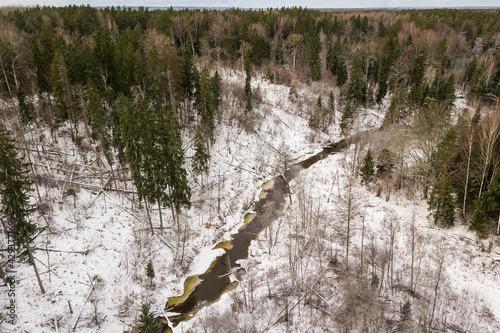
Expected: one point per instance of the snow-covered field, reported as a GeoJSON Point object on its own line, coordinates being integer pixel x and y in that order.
{"type": "Point", "coordinates": [95, 246]}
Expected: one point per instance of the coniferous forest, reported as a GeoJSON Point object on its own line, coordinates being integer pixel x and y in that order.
{"type": "Point", "coordinates": [132, 141]}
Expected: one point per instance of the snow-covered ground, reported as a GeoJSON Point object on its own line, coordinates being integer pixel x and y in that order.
{"type": "Point", "coordinates": [94, 250]}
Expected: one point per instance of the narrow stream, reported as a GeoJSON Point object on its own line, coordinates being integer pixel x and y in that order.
{"type": "Point", "coordinates": [207, 288]}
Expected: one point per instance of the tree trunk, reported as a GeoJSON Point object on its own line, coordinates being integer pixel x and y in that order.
{"type": "Point", "coordinates": [466, 185]}
{"type": "Point", "coordinates": [362, 243]}
{"type": "Point", "coordinates": [436, 287]}
{"type": "Point", "coordinates": [412, 252]}
{"type": "Point", "coordinates": [161, 218]}
{"type": "Point", "coordinates": [5, 76]}
{"type": "Point", "coordinates": [149, 216]}
{"type": "Point", "coordinates": [349, 203]}
{"type": "Point", "coordinates": [32, 259]}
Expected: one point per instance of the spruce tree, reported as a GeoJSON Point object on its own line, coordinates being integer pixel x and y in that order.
{"type": "Point", "coordinates": [150, 271]}
{"type": "Point", "coordinates": [368, 167]}
{"type": "Point", "coordinates": [207, 104]}
{"type": "Point", "coordinates": [60, 85]}
{"type": "Point", "coordinates": [42, 50]}
{"type": "Point", "coordinates": [279, 58]}
{"type": "Point", "coordinates": [331, 106]}
{"type": "Point", "coordinates": [131, 139]}
{"type": "Point", "coordinates": [147, 321]}
{"type": "Point", "coordinates": [346, 121]}
{"type": "Point", "coordinates": [445, 211]}
{"type": "Point", "coordinates": [15, 189]}
{"type": "Point", "coordinates": [98, 120]}
{"type": "Point", "coordinates": [333, 55]}
{"type": "Point", "coordinates": [175, 186]}
{"type": "Point", "coordinates": [316, 114]}
{"type": "Point", "coordinates": [24, 113]}
{"type": "Point", "coordinates": [341, 72]}
{"type": "Point", "coordinates": [201, 156]}
{"type": "Point", "coordinates": [390, 54]}
{"type": "Point", "coordinates": [486, 209]}
{"type": "Point", "coordinates": [314, 59]}
{"type": "Point", "coordinates": [357, 88]}
{"type": "Point", "coordinates": [477, 116]}
{"type": "Point", "coordinates": [442, 200]}
{"type": "Point", "coordinates": [216, 90]}
{"type": "Point", "coordinates": [248, 88]}
{"type": "Point", "coordinates": [406, 312]}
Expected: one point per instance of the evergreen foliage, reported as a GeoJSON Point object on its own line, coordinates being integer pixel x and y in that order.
{"type": "Point", "coordinates": [368, 167]}
{"type": "Point", "coordinates": [150, 271]}
{"type": "Point", "coordinates": [390, 54]}
{"type": "Point", "coordinates": [442, 200]}
{"type": "Point", "coordinates": [317, 114]}
{"type": "Point", "coordinates": [201, 156]}
{"type": "Point", "coordinates": [279, 58]}
{"type": "Point", "coordinates": [207, 104]}
{"type": "Point", "coordinates": [346, 120]}
{"type": "Point", "coordinates": [486, 209]}
{"type": "Point", "coordinates": [385, 162]}
{"type": "Point", "coordinates": [331, 107]}
{"type": "Point", "coordinates": [357, 88]}
{"type": "Point", "coordinates": [24, 112]}
{"type": "Point", "coordinates": [248, 88]}
{"type": "Point", "coordinates": [15, 189]}
{"type": "Point", "coordinates": [147, 321]}
{"type": "Point", "coordinates": [314, 59]}
{"type": "Point", "coordinates": [477, 116]}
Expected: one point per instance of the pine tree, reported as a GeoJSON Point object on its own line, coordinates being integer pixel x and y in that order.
{"type": "Point", "coordinates": [201, 156]}
{"type": "Point", "coordinates": [98, 120]}
{"type": "Point", "coordinates": [441, 200]}
{"type": "Point", "coordinates": [341, 72]}
{"type": "Point", "coordinates": [315, 119]}
{"type": "Point", "coordinates": [216, 90]}
{"type": "Point", "coordinates": [42, 50]}
{"type": "Point", "coordinates": [385, 162]}
{"type": "Point", "coordinates": [188, 77]}
{"type": "Point", "coordinates": [390, 54]}
{"type": "Point", "coordinates": [24, 113]}
{"type": "Point", "coordinates": [477, 116]}
{"type": "Point", "coordinates": [248, 88]}
{"type": "Point", "coordinates": [486, 209]}
{"type": "Point", "coordinates": [60, 84]}
{"type": "Point", "coordinates": [332, 55]}
{"type": "Point", "coordinates": [177, 193]}
{"type": "Point", "coordinates": [131, 139]}
{"type": "Point", "coordinates": [470, 69]}
{"type": "Point", "coordinates": [445, 212]}
{"type": "Point", "coordinates": [147, 321]}
{"type": "Point", "coordinates": [331, 106]}
{"type": "Point", "coordinates": [15, 189]}
{"type": "Point", "coordinates": [150, 271]}
{"type": "Point", "coordinates": [406, 312]}
{"type": "Point", "coordinates": [357, 88]}
{"type": "Point", "coordinates": [208, 102]}
{"type": "Point", "coordinates": [279, 58]}
{"type": "Point", "coordinates": [368, 167]}
{"type": "Point", "coordinates": [314, 59]}
{"type": "Point", "coordinates": [346, 121]}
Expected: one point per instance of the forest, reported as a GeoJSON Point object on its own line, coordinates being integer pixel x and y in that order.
{"type": "Point", "coordinates": [149, 111]}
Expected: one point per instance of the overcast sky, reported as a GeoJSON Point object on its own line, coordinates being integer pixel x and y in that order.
{"type": "Point", "coordinates": [264, 3]}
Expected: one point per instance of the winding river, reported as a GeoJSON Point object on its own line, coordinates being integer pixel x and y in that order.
{"type": "Point", "coordinates": [207, 288]}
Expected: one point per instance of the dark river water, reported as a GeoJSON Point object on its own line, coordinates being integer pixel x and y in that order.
{"type": "Point", "coordinates": [204, 289]}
